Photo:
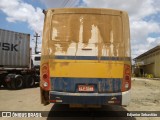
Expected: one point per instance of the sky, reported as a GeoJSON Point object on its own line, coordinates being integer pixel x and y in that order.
{"type": "Point", "coordinates": [144, 15]}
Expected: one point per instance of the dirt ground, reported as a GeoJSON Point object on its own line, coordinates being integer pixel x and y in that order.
{"type": "Point", "coordinates": [145, 97]}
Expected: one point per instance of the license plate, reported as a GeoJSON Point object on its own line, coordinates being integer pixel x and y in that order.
{"type": "Point", "coordinates": [85, 88]}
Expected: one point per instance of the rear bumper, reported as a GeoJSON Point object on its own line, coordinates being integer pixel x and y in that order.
{"type": "Point", "coordinates": [121, 98]}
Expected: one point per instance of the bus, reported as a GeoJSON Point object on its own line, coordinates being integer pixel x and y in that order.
{"type": "Point", "coordinates": [86, 57]}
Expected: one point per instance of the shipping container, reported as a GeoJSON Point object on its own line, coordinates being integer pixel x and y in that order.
{"type": "Point", "coordinates": [14, 49]}
{"type": "Point", "coordinates": [16, 66]}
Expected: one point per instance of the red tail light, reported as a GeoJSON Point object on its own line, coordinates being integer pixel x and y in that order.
{"type": "Point", "coordinates": [45, 81]}
{"type": "Point", "coordinates": [45, 76]}
{"type": "Point", "coordinates": [126, 84]}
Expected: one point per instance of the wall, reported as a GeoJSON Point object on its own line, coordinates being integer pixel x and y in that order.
{"type": "Point", "coordinates": [151, 63]}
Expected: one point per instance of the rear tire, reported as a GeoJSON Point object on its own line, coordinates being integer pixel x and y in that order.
{"type": "Point", "coordinates": [17, 82]}
{"type": "Point", "coordinates": [4, 84]}
{"type": "Point", "coordinates": [29, 81]}
{"type": "Point", "coordinates": [2, 81]}
{"type": "Point", "coordinates": [8, 80]}
{"type": "Point", "coordinates": [0, 84]}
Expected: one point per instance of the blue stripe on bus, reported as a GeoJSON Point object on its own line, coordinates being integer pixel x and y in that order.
{"type": "Point", "coordinates": [101, 85]}
{"type": "Point", "coordinates": [91, 58]}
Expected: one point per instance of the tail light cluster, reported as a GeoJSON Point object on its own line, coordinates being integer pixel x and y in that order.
{"type": "Point", "coordinates": [45, 77]}
{"type": "Point", "coordinates": [127, 78]}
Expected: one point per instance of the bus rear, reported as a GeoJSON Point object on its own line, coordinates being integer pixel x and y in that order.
{"type": "Point", "coordinates": [85, 57]}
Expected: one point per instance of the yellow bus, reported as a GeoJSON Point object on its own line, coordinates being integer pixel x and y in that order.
{"type": "Point", "coordinates": [86, 58]}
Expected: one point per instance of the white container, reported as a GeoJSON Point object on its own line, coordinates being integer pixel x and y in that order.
{"type": "Point", "coordinates": [14, 49]}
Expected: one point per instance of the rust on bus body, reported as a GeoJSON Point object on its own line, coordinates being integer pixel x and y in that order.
{"type": "Point", "coordinates": [70, 26]}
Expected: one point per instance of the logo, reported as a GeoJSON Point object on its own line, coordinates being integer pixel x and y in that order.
{"type": "Point", "coordinates": [8, 46]}
{"type": "Point", "coordinates": [20, 114]}
{"type": "Point", "coordinates": [6, 114]}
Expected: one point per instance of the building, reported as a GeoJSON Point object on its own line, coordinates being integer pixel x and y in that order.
{"type": "Point", "coordinates": [148, 63]}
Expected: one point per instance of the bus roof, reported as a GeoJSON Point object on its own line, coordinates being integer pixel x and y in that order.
{"type": "Point", "coordinates": [87, 10]}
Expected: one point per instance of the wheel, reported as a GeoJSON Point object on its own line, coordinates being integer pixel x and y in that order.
{"type": "Point", "coordinates": [17, 82]}
{"type": "Point", "coordinates": [2, 81]}
{"type": "Point", "coordinates": [29, 81]}
{"type": "Point", "coordinates": [13, 81]}
{"type": "Point", "coordinates": [4, 84]}
{"type": "Point", "coordinates": [37, 78]}
{"type": "Point", "coordinates": [0, 84]}
{"type": "Point", "coordinates": [9, 79]}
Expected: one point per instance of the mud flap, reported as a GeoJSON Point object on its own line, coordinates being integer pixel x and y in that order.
{"type": "Point", "coordinates": [44, 97]}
